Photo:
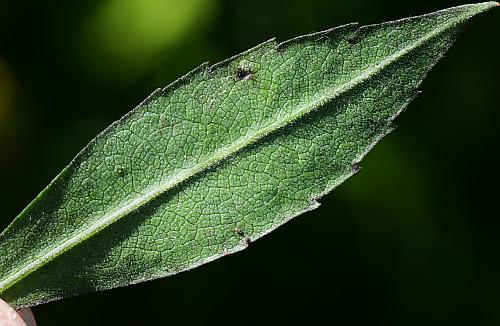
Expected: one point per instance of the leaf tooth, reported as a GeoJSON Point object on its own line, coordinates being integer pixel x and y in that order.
{"type": "Point", "coordinates": [317, 36]}
{"type": "Point", "coordinates": [270, 44]}
{"type": "Point", "coordinates": [313, 203]}
{"type": "Point", "coordinates": [356, 168]}
{"type": "Point", "coordinates": [201, 70]}
{"type": "Point", "coordinates": [413, 94]}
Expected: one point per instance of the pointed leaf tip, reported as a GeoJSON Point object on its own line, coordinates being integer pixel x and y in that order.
{"type": "Point", "coordinates": [491, 4]}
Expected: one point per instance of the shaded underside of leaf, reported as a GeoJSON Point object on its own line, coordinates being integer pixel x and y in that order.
{"type": "Point", "coordinates": [220, 157]}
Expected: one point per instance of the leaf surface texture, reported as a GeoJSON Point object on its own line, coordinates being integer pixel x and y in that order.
{"type": "Point", "coordinates": [221, 157]}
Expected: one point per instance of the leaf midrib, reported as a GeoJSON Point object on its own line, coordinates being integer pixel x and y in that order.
{"type": "Point", "coordinates": [322, 98]}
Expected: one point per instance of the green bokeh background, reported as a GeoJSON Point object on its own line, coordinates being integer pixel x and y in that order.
{"type": "Point", "coordinates": [412, 240]}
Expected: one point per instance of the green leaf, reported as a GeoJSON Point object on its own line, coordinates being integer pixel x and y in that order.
{"type": "Point", "coordinates": [221, 157]}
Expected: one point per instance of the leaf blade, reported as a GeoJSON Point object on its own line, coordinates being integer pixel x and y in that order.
{"type": "Point", "coordinates": [122, 172]}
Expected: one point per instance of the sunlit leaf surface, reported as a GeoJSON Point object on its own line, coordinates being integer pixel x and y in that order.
{"type": "Point", "coordinates": [220, 158]}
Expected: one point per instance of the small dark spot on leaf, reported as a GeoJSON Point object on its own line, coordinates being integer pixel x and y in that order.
{"type": "Point", "coordinates": [355, 167]}
{"type": "Point", "coordinates": [242, 234]}
{"type": "Point", "coordinates": [353, 39]}
{"type": "Point", "coordinates": [239, 232]}
{"type": "Point", "coordinates": [243, 74]}
{"type": "Point", "coordinates": [120, 171]}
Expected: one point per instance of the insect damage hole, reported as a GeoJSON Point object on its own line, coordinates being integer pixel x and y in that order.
{"type": "Point", "coordinates": [243, 74]}
{"type": "Point", "coordinates": [354, 38]}
{"type": "Point", "coordinates": [246, 69]}
{"type": "Point", "coordinates": [239, 232]}
{"type": "Point", "coordinates": [242, 234]}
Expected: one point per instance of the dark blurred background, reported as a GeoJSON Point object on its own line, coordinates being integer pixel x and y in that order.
{"type": "Point", "coordinates": [412, 240]}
